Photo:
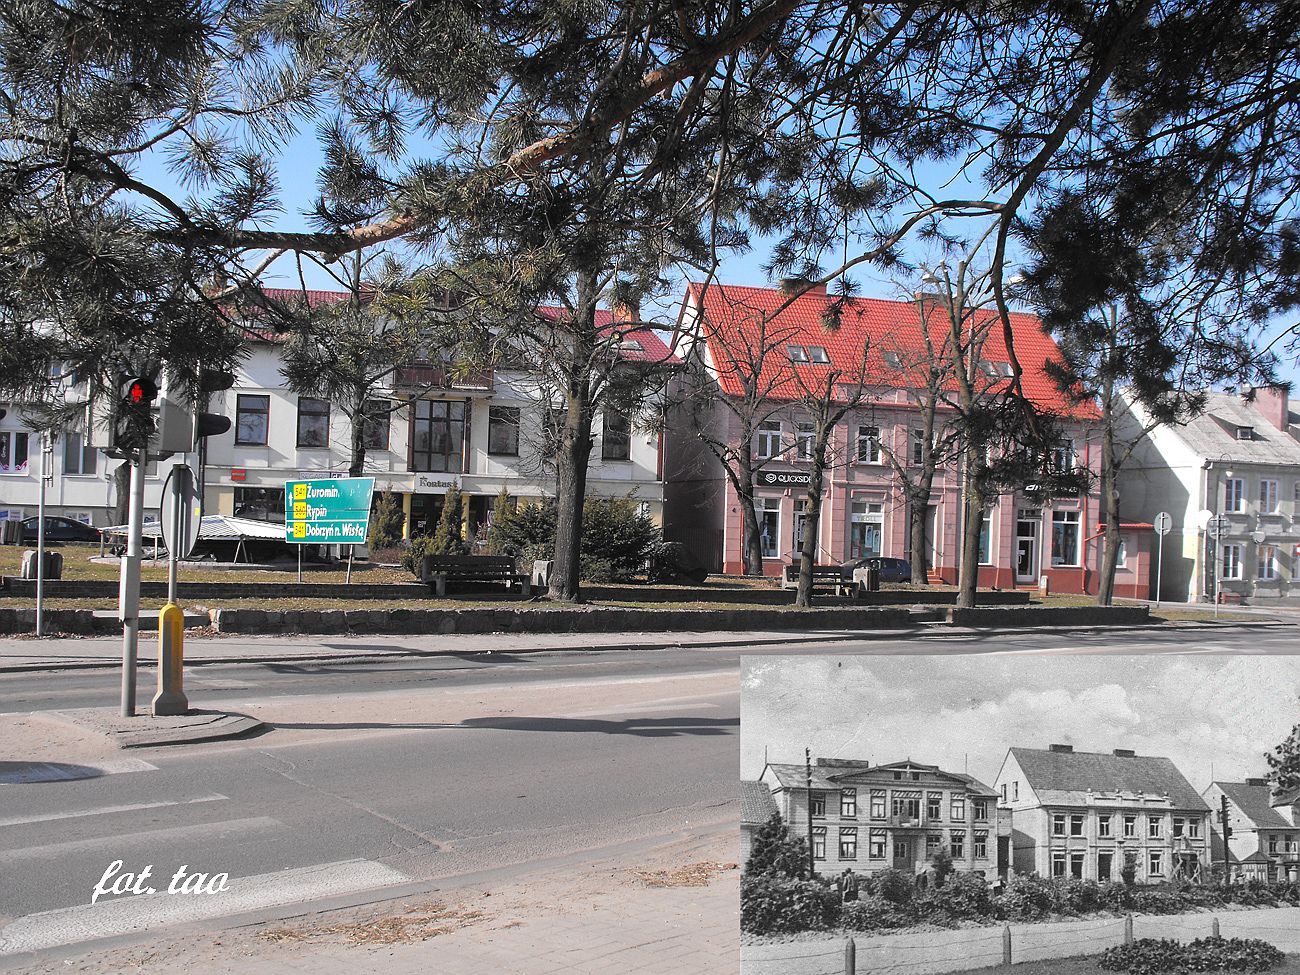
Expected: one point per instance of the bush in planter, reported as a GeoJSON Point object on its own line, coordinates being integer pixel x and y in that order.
{"type": "Point", "coordinates": [413, 556]}
{"type": "Point", "coordinates": [874, 913]}
{"type": "Point", "coordinates": [893, 885]}
{"type": "Point", "coordinates": [386, 523]}
{"type": "Point", "coordinates": [771, 904]}
{"type": "Point", "coordinates": [965, 897]}
{"type": "Point", "coordinates": [1153, 956]}
{"type": "Point", "coordinates": [1025, 899]}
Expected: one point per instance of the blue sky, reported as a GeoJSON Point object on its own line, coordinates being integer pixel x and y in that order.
{"type": "Point", "coordinates": [299, 159]}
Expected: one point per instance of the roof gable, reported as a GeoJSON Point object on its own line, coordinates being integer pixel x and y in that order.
{"type": "Point", "coordinates": [1255, 802]}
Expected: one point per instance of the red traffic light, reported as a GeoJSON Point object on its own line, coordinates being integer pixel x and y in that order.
{"type": "Point", "coordinates": [140, 392]}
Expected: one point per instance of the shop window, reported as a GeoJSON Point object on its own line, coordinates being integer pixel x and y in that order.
{"type": "Point", "coordinates": [769, 526]}
{"type": "Point", "coordinates": [866, 529]}
{"type": "Point", "coordinates": [1065, 538]}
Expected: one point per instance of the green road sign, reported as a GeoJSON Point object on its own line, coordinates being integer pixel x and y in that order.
{"type": "Point", "coordinates": [330, 512]}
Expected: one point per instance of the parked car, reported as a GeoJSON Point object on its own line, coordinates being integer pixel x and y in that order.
{"type": "Point", "coordinates": [59, 529]}
{"type": "Point", "coordinates": [891, 570]}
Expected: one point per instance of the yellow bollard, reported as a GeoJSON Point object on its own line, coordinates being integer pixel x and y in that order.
{"type": "Point", "coordinates": [170, 698]}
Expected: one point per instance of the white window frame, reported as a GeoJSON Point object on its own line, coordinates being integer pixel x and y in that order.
{"type": "Point", "coordinates": [1268, 496]}
{"type": "Point", "coordinates": [876, 844]}
{"type": "Point", "coordinates": [957, 844]}
{"type": "Point", "coordinates": [1155, 863]}
{"type": "Point", "coordinates": [83, 451]}
{"type": "Point", "coordinates": [767, 439]}
{"type": "Point", "coordinates": [1103, 825]}
{"type": "Point", "coordinates": [1058, 824]}
{"type": "Point", "coordinates": [1121, 555]}
{"type": "Point", "coordinates": [957, 809]}
{"type": "Point", "coordinates": [1194, 828]}
{"type": "Point", "coordinates": [1076, 819]}
{"type": "Point", "coordinates": [849, 842]}
{"type": "Point", "coordinates": [819, 842]}
{"type": "Point", "coordinates": [986, 538]}
{"type": "Point", "coordinates": [1155, 827]}
{"type": "Point", "coordinates": [1063, 455]}
{"type": "Point", "coordinates": [916, 447]}
{"type": "Point", "coordinates": [12, 451]}
{"type": "Point", "coordinates": [1067, 517]}
{"type": "Point", "coordinates": [817, 355]}
{"type": "Point", "coordinates": [1266, 563]}
{"type": "Point", "coordinates": [871, 513]}
{"type": "Point", "coordinates": [1230, 559]}
{"type": "Point", "coordinates": [1234, 495]}
{"type": "Point", "coordinates": [871, 441]}
{"type": "Point", "coordinates": [804, 435]}
{"type": "Point", "coordinates": [765, 507]}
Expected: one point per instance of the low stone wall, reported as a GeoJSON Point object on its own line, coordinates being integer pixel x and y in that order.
{"type": "Point", "coordinates": [1051, 616]}
{"type": "Point", "coordinates": [79, 621]}
{"type": "Point", "coordinates": [563, 620]}
{"type": "Point", "coordinates": [932, 953]}
{"type": "Point", "coordinates": [104, 588]}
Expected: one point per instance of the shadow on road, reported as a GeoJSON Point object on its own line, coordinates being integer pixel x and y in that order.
{"type": "Point", "coordinates": [640, 727]}
{"type": "Point", "coordinates": [18, 773]}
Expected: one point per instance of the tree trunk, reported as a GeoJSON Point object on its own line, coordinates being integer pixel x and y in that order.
{"type": "Point", "coordinates": [357, 463]}
{"type": "Point", "coordinates": [1110, 502]}
{"type": "Point", "coordinates": [968, 578]}
{"type": "Point", "coordinates": [918, 514]}
{"type": "Point", "coordinates": [812, 521]}
{"type": "Point", "coordinates": [570, 491]}
{"type": "Point", "coordinates": [121, 493]}
{"type": "Point", "coordinates": [751, 546]}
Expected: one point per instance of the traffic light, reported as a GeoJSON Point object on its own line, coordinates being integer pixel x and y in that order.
{"type": "Point", "coordinates": [212, 381]}
{"type": "Point", "coordinates": [182, 424]}
{"type": "Point", "coordinates": [133, 421]}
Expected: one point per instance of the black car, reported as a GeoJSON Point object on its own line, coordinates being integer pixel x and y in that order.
{"type": "Point", "coordinates": [891, 570]}
{"type": "Point", "coordinates": [58, 529]}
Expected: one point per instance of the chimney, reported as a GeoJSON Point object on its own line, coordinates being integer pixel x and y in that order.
{"type": "Point", "coordinates": [627, 311]}
{"type": "Point", "coordinates": [1273, 402]}
{"type": "Point", "coordinates": [1255, 781]}
{"type": "Point", "coordinates": [1125, 753]}
{"type": "Point", "coordinates": [792, 284]}
{"type": "Point", "coordinates": [1063, 749]}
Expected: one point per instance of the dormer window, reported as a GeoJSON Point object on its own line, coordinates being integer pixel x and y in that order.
{"type": "Point", "coordinates": [1245, 433]}
{"type": "Point", "coordinates": [818, 355]}
{"type": "Point", "coordinates": [797, 353]}
{"type": "Point", "coordinates": [893, 361]}
{"type": "Point", "coordinates": [630, 345]}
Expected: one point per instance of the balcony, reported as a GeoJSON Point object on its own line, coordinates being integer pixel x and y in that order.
{"type": "Point", "coordinates": [438, 375]}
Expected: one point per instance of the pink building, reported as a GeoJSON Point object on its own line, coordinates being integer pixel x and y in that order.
{"type": "Point", "coordinates": [1027, 537]}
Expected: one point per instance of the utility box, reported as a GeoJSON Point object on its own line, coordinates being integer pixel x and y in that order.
{"type": "Point", "coordinates": [53, 565]}
{"type": "Point", "coordinates": [867, 577]}
{"type": "Point", "coordinates": [1044, 587]}
{"type": "Point", "coordinates": [542, 573]}
{"type": "Point", "coordinates": [11, 532]}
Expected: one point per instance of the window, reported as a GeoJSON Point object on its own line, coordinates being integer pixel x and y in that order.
{"type": "Point", "coordinates": [981, 845]}
{"type": "Point", "coordinates": [378, 420]}
{"type": "Point", "coordinates": [1194, 828]}
{"type": "Point", "coordinates": [616, 437]}
{"type": "Point", "coordinates": [981, 807]}
{"type": "Point", "coordinates": [803, 441]}
{"type": "Point", "coordinates": [934, 805]}
{"type": "Point", "coordinates": [797, 353]}
{"type": "Point", "coordinates": [1268, 497]}
{"type": "Point", "coordinates": [769, 526]}
{"type": "Point", "coordinates": [893, 360]}
{"type": "Point", "coordinates": [819, 842]}
{"type": "Point", "coordinates": [1245, 433]}
{"type": "Point", "coordinates": [1155, 827]}
{"type": "Point", "coordinates": [1065, 538]}
{"type": "Point", "coordinates": [1063, 456]}
{"type": "Point", "coordinates": [1076, 865]}
{"type": "Point", "coordinates": [503, 431]}
{"type": "Point", "coordinates": [1015, 791]}
{"type": "Point", "coordinates": [933, 844]}
{"type": "Point", "coordinates": [1267, 568]}
{"type": "Point", "coordinates": [768, 439]}
{"type": "Point", "coordinates": [78, 458]}
{"type": "Point", "coordinates": [918, 446]}
{"type": "Point", "coordinates": [438, 435]}
{"type": "Point", "coordinates": [800, 521]}
{"type": "Point", "coordinates": [1076, 825]}
{"type": "Point", "coordinates": [848, 842]}
{"type": "Point", "coordinates": [1155, 863]}
{"type": "Point", "coordinates": [877, 804]}
{"type": "Point", "coordinates": [1130, 827]}
{"type": "Point", "coordinates": [868, 445]}
{"type": "Point", "coordinates": [907, 805]}
{"type": "Point", "coordinates": [986, 537]}
{"type": "Point", "coordinates": [817, 805]}
{"type": "Point", "coordinates": [957, 844]}
{"type": "Point", "coordinates": [1058, 824]}
{"type": "Point", "coordinates": [313, 422]}
{"type": "Point", "coordinates": [959, 809]}
{"type": "Point", "coordinates": [1058, 863]}
{"type": "Point", "coordinates": [13, 452]}
{"type": "Point", "coordinates": [252, 418]}
{"type": "Point", "coordinates": [1179, 824]}
{"type": "Point", "coordinates": [1232, 561]}
{"type": "Point", "coordinates": [1121, 555]}
{"type": "Point", "coordinates": [877, 848]}
{"type": "Point", "coordinates": [866, 529]}
{"type": "Point", "coordinates": [818, 355]}
{"type": "Point", "coordinates": [1272, 843]}
{"type": "Point", "coordinates": [1103, 826]}
{"type": "Point", "coordinates": [259, 504]}
{"type": "Point", "coordinates": [1234, 494]}
{"type": "Point", "coordinates": [849, 803]}
{"type": "Point", "coordinates": [1004, 792]}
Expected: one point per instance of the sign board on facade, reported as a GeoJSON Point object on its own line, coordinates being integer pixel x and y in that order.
{"type": "Point", "coordinates": [434, 483]}
{"type": "Point", "coordinates": [783, 478]}
{"type": "Point", "coordinates": [1218, 526]}
{"type": "Point", "coordinates": [1163, 523]}
{"type": "Point", "coordinates": [238, 474]}
{"type": "Point", "coordinates": [335, 511]}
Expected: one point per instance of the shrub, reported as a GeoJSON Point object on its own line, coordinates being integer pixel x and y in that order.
{"type": "Point", "coordinates": [964, 897]}
{"type": "Point", "coordinates": [597, 570]}
{"type": "Point", "coordinates": [614, 531]}
{"type": "Point", "coordinates": [1157, 902]}
{"type": "Point", "coordinates": [874, 913]}
{"type": "Point", "coordinates": [386, 523]}
{"type": "Point", "coordinates": [1153, 956]}
{"type": "Point", "coordinates": [1025, 899]}
{"type": "Point", "coordinates": [770, 904]}
{"type": "Point", "coordinates": [893, 885]}
{"type": "Point", "coordinates": [413, 557]}
{"type": "Point", "coordinates": [943, 867]}
{"type": "Point", "coordinates": [777, 851]}
{"type": "Point", "coordinates": [499, 530]}
{"type": "Point", "coordinates": [447, 538]}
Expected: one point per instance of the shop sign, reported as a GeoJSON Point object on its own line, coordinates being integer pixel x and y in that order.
{"type": "Point", "coordinates": [783, 478]}
{"type": "Point", "coordinates": [434, 483]}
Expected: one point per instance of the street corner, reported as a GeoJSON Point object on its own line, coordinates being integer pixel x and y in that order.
{"type": "Point", "coordinates": [146, 729]}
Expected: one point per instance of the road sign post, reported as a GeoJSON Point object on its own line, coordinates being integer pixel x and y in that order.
{"type": "Point", "coordinates": [1218, 526]}
{"type": "Point", "coordinates": [1163, 524]}
{"type": "Point", "coordinates": [335, 511]}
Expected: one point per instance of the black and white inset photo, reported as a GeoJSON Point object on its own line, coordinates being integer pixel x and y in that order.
{"type": "Point", "coordinates": [1065, 814]}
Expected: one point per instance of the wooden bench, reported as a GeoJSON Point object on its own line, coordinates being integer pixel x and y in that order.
{"type": "Point", "coordinates": [438, 570]}
{"type": "Point", "coordinates": [823, 577]}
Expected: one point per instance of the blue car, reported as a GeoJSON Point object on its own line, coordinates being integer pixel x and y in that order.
{"type": "Point", "coordinates": [891, 570]}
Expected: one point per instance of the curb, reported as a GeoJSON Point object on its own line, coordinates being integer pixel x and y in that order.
{"type": "Point", "coordinates": [199, 725]}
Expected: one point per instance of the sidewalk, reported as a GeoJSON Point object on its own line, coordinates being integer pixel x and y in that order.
{"type": "Point", "coordinates": [673, 910]}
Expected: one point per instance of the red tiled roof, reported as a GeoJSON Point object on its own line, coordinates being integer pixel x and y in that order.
{"type": "Point", "coordinates": [732, 314]}
{"type": "Point", "coordinates": [314, 298]}
{"type": "Point", "coordinates": [653, 348]}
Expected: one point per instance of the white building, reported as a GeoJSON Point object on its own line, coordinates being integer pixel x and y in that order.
{"type": "Point", "coordinates": [1239, 458]}
{"type": "Point", "coordinates": [478, 433]}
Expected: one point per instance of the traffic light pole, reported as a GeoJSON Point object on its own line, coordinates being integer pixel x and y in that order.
{"type": "Point", "coordinates": [129, 593]}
